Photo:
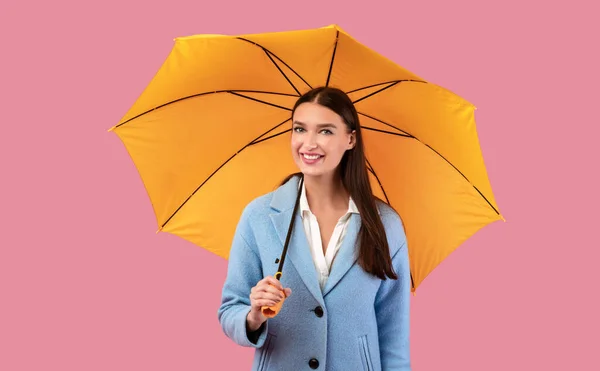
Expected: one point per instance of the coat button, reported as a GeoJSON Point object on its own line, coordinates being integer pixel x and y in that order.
{"type": "Point", "coordinates": [313, 363]}
{"type": "Point", "coordinates": [319, 311]}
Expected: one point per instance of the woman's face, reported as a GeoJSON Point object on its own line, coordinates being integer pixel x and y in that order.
{"type": "Point", "coordinates": [319, 139]}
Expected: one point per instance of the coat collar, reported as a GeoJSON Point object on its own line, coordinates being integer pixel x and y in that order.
{"type": "Point", "coordinates": [285, 196]}
{"type": "Point", "coordinates": [298, 251]}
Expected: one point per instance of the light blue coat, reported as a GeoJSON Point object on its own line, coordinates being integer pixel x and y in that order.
{"type": "Point", "coordinates": [365, 321]}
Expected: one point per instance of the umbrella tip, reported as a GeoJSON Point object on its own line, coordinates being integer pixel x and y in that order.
{"type": "Point", "coordinates": [111, 129]}
{"type": "Point", "coordinates": [159, 230]}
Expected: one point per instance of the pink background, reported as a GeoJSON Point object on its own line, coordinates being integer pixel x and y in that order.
{"type": "Point", "coordinates": [86, 284]}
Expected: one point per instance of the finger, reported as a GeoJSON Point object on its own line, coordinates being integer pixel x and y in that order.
{"type": "Point", "coordinates": [268, 288]}
{"type": "Point", "coordinates": [266, 280]}
{"type": "Point", "coordinates": [268, 295]}
{"type": "Point", "coordinates": [273, 281]}
{"type": "Point", "coordinates": [265, 303]}
{"type": "Point", "coordinates": [288, 291]}
{"type": "Point", "coordinates": [273, 290]}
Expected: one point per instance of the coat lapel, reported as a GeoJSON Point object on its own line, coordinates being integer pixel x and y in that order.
{"type": "Point", "coordinates": [346, 256]}
{"type": "Point", "coordinates": [298, 253]}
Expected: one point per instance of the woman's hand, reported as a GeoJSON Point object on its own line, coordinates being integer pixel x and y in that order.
{"type": "Point", "coordinates": [267, 292]}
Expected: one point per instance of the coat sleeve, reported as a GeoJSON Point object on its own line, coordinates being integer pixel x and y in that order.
{"type": "Point", "coordinates": [392, 307]}
{"type": "Point", "coordinates": [243, 272]}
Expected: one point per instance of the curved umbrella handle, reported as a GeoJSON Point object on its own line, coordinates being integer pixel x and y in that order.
{"type": "Point", "coordinates": [272, 311]}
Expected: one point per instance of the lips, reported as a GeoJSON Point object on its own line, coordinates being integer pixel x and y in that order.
{"type": "Point", "coordinates": [310, 158]}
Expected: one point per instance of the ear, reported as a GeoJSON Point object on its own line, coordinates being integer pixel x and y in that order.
{"type": "Point", "coordinates": [352, 139]}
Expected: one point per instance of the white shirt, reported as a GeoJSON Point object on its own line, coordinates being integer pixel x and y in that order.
{"type": "Point", "coordinates": [313, 235]}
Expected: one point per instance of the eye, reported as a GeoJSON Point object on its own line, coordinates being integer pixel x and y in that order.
{"type": "Point", "coordinates": [298, 129]}
{"type": "Point", "coordinates": [326, 132]}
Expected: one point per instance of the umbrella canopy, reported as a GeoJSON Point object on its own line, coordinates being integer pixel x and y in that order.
{"type": "Point", "coordinates": [211, 132]}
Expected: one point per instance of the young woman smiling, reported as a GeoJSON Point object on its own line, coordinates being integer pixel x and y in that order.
{"type": "Point", "coordinates": [347, 288]}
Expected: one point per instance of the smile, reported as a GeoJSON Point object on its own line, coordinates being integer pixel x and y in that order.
{"type": "Point", "coordinates": [311, 157]}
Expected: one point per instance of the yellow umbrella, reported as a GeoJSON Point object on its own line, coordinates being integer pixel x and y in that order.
{"type": "Point", "coordinates": [211, 130]}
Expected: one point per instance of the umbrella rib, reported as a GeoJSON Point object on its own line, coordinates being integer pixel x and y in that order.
{"type": "Point", "coordinates": [280, 70]}
{"type": "Point", "coordinates": [258, 140]}
{"type": "Point", "coordinates": [279, 59]}
{"type": "Point", "coordinates": [385, 123]}
{"type": "Point", "coordinates": [200, 95]}
{"type": "Point", "coordinates": [383, 83]}
{"type": "Point", "coordinates": [436, 152]}
{"type": "Point", "coordinates": [370, 168]}
{"type": "Point", "coordinates": [270, 137]}
{"type": "Point", "coordinates": [254, 141]}
{"type": "Point", "coordinates": [260, 101]}
{"type": "Point", "coordinates": [386, 132]}
{"type": "Point", "coordinates": [377, 91]}
{"type": "Point", "coordinates": [337, 37]}
{"type": "Point", "coordinates": [464, 176]}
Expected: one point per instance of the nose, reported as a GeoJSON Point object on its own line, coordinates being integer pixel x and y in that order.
{"type": "Point", "coordinates": [311, 141]}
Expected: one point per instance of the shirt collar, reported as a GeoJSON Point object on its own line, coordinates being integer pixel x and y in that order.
{"type": "Point", "coordinates": [304, 207]}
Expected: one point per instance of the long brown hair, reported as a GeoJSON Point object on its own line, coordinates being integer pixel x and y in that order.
{"type": "Point", "coordinates": [374, 253]}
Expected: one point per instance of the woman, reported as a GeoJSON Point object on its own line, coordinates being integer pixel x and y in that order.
{"type": "Point", "coordinates": [348, 313]}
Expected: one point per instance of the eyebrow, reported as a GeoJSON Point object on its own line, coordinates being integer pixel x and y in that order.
{"type": "Point", "coordinates": [320, 126]}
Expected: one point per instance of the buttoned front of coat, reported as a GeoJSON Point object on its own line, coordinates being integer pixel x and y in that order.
{"type": "Point", "coordinates": [357, 322]}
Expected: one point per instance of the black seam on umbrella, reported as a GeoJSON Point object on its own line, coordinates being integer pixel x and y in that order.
{"type": "Point", "coordinates": [200, 95]}
{"type": "Point", "coordinates": [386, 132]}
{"type": "Point", "coordinates": [270, 137]}
{"type": "Point", "coordinates": [219, 168]}
{"type": "Point", "coordinates": [276, 57]}
{"type": "Point", "coordinates": [376, 92]}
{"type": "Point", "coordinates": [370, 167]}
{"type": "Point", "coordinates": [261, 101]}
{"type": "Point", "coordinates": [337, 37]}
{"type": "Point", "coordinates": [444, 158]}
{"type": "Point", "coordinates": [255, 140]}
{"type": "Point", "coordinates": [383, 83]}
{"type": "Point", "coordinates": [385, 123]}
{"type": "Point", "coordinates": [460, 172]}
{"type": "Point", "coordinates": [280, 70]}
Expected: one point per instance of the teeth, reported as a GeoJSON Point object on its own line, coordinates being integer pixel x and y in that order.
{"type": "Point", "coordinates": [311, 157]}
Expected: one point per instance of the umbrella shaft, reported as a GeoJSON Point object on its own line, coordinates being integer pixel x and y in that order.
{"type": "Point", "coordinates": [289, 233]}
